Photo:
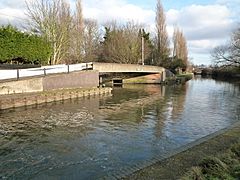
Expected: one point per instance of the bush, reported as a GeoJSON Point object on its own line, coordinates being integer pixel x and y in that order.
{"type": "Point", "coordinates": [22, 47]}
{"type": "Point", "coordinates": [214, 167]}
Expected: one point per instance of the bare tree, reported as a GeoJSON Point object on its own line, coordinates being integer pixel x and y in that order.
{"type": "Point", "coordinates": [162, 41]}
{"type": "Point", "coordinates": [77, 35]}
{"type": "Point", "coordinates": [52, 19]}
{"type": "Point", "coordinates": [229, 54]}
{"type": "Point", "coordinates": [180, 50]}
{"type": "Point", "coordinates": [91, 40]}
{"type": "Point", "coordinates": [122, 43]}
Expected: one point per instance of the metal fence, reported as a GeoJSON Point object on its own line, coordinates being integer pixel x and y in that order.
{"type": "Point", "coordinates": [43, 71]}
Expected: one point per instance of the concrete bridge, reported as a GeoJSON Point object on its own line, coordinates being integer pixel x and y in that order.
{"type": "Point", "coordinates": [72, 76]}
{"type": "Point", "coordinates": [131, 68]}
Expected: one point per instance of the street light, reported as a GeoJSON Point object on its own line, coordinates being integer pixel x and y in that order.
{"type": "Point", "coordinates": [142, 49]}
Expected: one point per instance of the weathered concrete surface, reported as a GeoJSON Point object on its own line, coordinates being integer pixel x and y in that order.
{"type": "Point", "coordinates": [28, 99]}
{"type": "Point", "coordinates": [22, 86]}
{"type": "Point", "coordinates": [83, 79]}
{"type": "Point", "coordinates": [114, 67]}
{"type": "Point", "coordinates": [148, 79]}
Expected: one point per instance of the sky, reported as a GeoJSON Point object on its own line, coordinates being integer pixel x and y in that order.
{"type": "Point", "coordinates": [205, 23]}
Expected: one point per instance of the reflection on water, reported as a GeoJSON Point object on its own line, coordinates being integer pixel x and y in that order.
{"type": "Point", "coordinates": [97, 136]}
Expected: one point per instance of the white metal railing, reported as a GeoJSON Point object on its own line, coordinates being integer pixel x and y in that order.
{"type": "Point", "coordinates": [43, 71]}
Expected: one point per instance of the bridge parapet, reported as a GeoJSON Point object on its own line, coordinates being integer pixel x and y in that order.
{"type": "Point", "coordinates": [114, 67]}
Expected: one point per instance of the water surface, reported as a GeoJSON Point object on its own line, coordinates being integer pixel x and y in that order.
{"type": "Point", "coordinates": [93, 137]}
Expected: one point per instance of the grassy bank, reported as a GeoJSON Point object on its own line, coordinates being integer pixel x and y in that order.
{"type": "Point", "coordinates": [225, 165]}
{"type": "Point", "coordinates": [182, 78]}
{"type": "Point", "coordinates": [226, 74]}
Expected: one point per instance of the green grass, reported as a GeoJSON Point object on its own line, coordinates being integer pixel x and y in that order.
{"type": "Point", "coordinates": [223, 166]}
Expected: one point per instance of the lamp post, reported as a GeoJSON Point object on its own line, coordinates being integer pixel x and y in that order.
{"type": "Point", "coordinates": [142, 49]}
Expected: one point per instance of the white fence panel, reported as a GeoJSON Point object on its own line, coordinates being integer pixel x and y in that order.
{"type": "Point", "coordinates": [55, 69]}
{"type": "Point", "coordinates": [8, 74]}
{"type": "Point", "coordinates": [76, 67]}
{"type": "Point", "coordinates": [30, 72]}
{"type": "Point", "coordinates": [62, 68]}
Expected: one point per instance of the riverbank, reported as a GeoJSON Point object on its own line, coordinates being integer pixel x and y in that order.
{"type": "Point", "coordinates": [37, 98]}
{"type": "Point", "coordinates": [231, 74]}
{"type": "Point", "coordinates": [177, 165]}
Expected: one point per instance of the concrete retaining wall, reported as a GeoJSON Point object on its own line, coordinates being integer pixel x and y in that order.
{"type": "Point", "coordinates": [28, 85]}
{"type": "Point", "coordinates": [83, 79]}
{"type": "Point", "coordinates": [24, 100]}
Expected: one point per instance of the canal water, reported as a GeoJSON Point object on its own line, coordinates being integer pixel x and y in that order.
{"type": "Point", "coordinates": [95, 137]}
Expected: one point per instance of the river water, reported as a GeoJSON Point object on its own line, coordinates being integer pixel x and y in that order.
{"type": "Point", "coordinates": [94, 137]}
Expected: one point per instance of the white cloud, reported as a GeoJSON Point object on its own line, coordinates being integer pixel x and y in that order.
{"type": "Point", "coordinates": [12, 16]}
{"type": "Point", "coordinates": [107, 10]}
{"type": "Point", "coordinates": [202, 22]}
{"type": "Point", "coordinates": [205, 27]}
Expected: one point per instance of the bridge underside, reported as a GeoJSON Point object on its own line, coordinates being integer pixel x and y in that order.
{"type": "Point", "coordinates": [136, 73]}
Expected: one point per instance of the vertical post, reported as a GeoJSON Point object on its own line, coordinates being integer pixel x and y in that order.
{"type": "Point", "coordinates": [68, 68]}
{"type": "Point", "coordinates": [44, 71]}
{"type": "Point", "coordinates": [163, 75]}
{"type": "Point", "coordinates": [17, 74]}
{"type": "Point", "coordinates": [142, 50]}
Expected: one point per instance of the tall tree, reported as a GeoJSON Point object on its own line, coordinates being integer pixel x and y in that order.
{"type": "Point", "coordinates": [91, 40]}
{"type": "Point", "coordinates": [162, 41]}
{"type": "Point", "coordinates": [51, 18]}
{"type": "Point", "coordinates": [180, 50]}
{"type": "Point", "coordinates": [77, 35]}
